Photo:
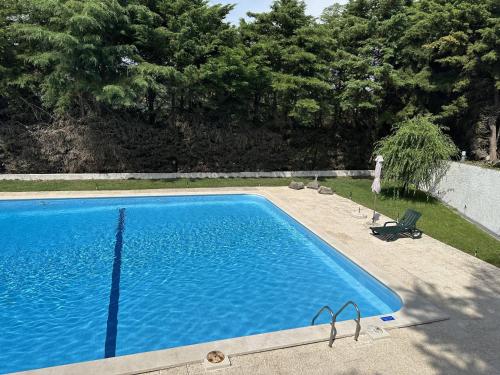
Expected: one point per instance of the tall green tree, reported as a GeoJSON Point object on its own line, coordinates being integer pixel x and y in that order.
{"type": "Point", "coordinates": [454, 49]}
{"type": "Point", "coordinates": [78, 52]}
{"type": "Point", "coordinates": [8, 15]}
{"type": "Point", "coordinates": [363, 64]}
{"type": "Point", "coordinates": [174, 40]}
{"type": "Point", "coordinates": [286, 41]}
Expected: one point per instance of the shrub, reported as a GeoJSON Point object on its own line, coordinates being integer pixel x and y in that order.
{"type": "Point", "coordinates": [415, 153]}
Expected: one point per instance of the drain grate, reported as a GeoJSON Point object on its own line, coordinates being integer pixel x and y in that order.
{"type": "Point", "coordinates": [216, 360]}
{"type": "Point", "coordinates": [376, 332]}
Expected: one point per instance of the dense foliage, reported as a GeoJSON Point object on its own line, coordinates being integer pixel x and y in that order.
{"type": "Point", "coordinates": [359, 70]}
{"type": "Point", "coordinates": [416, 153]}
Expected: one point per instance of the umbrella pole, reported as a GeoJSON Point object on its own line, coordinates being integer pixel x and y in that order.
{"type": "Point", "coordinates": [374, 212]}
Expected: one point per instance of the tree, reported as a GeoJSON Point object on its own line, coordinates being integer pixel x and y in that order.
{"type": "Point", "coordinates": [174, 40]}
{"type": "Point", "coordinates": [79, 53]}
{"type": "Point", "coordinates": [453, 51]}
{"type": "Point", "coordinates": [485, 62]}
{"type": "Point", "coordinates": [8, 15]}
{"type": "Point", "coordinates": [293, 49]}
{"type": "Point", "coordinates": [366, 97]}
{"type": "Point", "coordinates": [5, 50]}
{"type": "Point", "coordinates": [416, 153]}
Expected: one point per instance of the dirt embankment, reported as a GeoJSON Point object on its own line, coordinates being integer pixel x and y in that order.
{"type": "Point", "coordinates": [123, 145]}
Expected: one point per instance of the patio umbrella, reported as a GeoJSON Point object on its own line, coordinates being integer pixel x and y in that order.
{"type": "Point", "coordinates": [376, 187]}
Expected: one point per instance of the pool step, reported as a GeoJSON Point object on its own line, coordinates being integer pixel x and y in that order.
{"type": "Point", "coordinates": [333, 332]}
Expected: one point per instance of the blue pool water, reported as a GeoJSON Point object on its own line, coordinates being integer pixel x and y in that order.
{"type": "Point", "coordinates": [84, 279]}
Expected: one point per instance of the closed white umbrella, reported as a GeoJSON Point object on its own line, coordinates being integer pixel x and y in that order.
{"type": "Point", "coordinates": [376, 185]}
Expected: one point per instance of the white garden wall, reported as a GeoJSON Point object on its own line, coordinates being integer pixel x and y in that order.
{"type": "Point", "coordinates": [166, 176]}
{"type": "Point", "coordinates": [474, 192]}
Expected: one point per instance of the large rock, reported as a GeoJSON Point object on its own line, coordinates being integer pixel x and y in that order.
{"type": "Point", "coordinates": [325, 190]}
{"type": "Point", "coordinates": [313, 185]}
{"type": "Point", "coordinates": [296, 185]}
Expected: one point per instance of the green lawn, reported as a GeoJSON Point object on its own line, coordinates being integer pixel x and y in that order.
{"type": "Point", "coordinates": [137, 184]}
{"type": "Point", "coordinates": [437, 221]}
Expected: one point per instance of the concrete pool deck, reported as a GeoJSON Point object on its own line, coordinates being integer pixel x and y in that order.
{"type": "Point", "coordinates": [425, 272]}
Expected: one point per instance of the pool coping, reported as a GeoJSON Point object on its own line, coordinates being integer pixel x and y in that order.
{"type": "Point", "coordinates": [415, 309]}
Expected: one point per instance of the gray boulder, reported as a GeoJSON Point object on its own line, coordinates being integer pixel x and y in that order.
{"type": "Point", "coordinates": [325, 190]}
{"type": "Point", "coordinates": [296, 185]}
{"type": "Point", "coordinates": [313, 185]}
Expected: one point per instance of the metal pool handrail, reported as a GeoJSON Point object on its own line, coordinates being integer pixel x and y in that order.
{"type": "Point", "coordinates": [320, 311]}
{"type": "Point", "coordinates": [333, 332]}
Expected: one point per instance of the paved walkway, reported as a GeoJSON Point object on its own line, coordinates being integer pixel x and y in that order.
{"type": "Point", "coordinates": [464, 287]}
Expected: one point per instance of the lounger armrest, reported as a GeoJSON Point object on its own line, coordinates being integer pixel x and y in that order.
{"type": "Point", "coordinates": [390, 222]}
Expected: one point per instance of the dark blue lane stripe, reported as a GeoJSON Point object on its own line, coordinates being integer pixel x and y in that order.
{"type": "Point", "coordinates": [114, 295]}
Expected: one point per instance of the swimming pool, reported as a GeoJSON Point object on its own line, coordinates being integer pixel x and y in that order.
{"type": "Point", "coordinates": [84, 279]}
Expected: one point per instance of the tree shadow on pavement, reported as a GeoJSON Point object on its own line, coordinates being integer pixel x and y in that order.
{"type": "Point", "coordinates": [469, 342]}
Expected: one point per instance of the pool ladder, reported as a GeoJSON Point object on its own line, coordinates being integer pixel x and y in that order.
{"type": "Point", "coordinates": [333, 332]}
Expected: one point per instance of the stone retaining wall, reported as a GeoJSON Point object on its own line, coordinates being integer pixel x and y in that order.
{"type": "Point", "coordinates": [167, 176]}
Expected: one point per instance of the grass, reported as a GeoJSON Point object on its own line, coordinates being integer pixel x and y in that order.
{"type": "Point", "coordinates": [438, 220]}
{"type": "Point", "coordinates": [137, 184]}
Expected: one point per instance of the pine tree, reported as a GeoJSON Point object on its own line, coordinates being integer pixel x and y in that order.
{"type": "Point", "coordinates": [454, 48]}
{"type": "Point", "coordinates": [79, 53]}
{"type": "Point", "coordinates": [286, 40]}
{"type": "Point", "coordinates": [175, 39]}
